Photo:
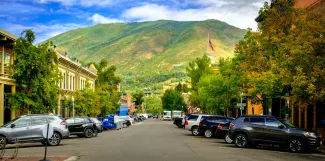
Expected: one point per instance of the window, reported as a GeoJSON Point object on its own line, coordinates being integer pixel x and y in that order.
{"type": "Point", "coordinates": [25, 121]}
{"type": "Point", "coordinates": [7, 60]}
{"type": "Point", "coordinates": [39, 120]}
{"type": "Point", "coordinates": [272, 122]}
{"type": "Point", "coordinates": [70, 82]}
{"type": "Point", "coordinates": [64, 81]}
{"type": "Point", "coordinates": [79, 120]}
{"type": "Point", "coordinates": [246, 119]}
{"type": "Point", "coordinates": [193, 117]}
{"type": "Point", "coordinates": [70, 120]}
{"type": "Point", "coordinates": [257, 121]}
{"type": "Point", "coordinates": [50, 119]}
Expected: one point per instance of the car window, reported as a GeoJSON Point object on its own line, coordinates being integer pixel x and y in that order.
{"type": "Point", "coordinates": [203, 117]}
{"type": "Point", "coordinates": [24, 121]}
{"type": "Point", "coordinates": [193, 117]}
{"type": "Point", "coordinates": [272, 122]}
{"type": "Point", "coordinates": [70, 120]}
{"type": "Point", "coordinates": [39, 120]}
{"type": "Point", "coordinates": [50, 119]}
{"type": "Point", "coordinates": [79, 120]}
{"type": "Point", "coordinates": [257, 121]}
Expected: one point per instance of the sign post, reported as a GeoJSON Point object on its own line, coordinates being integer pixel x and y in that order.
{"type": "Point", "coordinates": [47, 132]}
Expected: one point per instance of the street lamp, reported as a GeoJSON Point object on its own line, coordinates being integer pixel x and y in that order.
{"type": "Point", "coordinates": [241, 103]}
{"type": "Point", "coordinates": [72, 106]}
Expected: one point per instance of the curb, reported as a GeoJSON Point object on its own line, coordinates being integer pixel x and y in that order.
{"type": "Point", "coordinates": [73, 158]}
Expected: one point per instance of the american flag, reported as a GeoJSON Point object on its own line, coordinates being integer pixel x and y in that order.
{"type": "Point", "coordinates": [210, 44]}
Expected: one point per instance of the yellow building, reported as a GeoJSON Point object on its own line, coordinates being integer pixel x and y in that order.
{"type": "Point", "coordinates": [74, 77]}
{"type": "Point", "coordinates": [7, 85]}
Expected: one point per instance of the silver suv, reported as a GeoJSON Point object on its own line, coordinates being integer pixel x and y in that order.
{"type": "Point", "coordinates": [28, 128]}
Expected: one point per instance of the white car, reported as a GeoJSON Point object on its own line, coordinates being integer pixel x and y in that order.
{"type": "Point", "coordinates": [193, 121]}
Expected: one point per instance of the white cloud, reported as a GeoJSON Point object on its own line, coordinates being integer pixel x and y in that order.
{"type": "Point", "coordinates": [239, 13]}
{"type": "Point", "coordinates": [97, 18]}
{"type": "Point", "coordinates": [43, 32]}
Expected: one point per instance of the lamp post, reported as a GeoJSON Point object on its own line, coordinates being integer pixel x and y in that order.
{"type": "Point", "coordinates": [241, 103]}
{"type": "Point", "coordinates": [72, 106]}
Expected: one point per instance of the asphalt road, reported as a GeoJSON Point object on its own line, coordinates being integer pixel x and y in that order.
{"type": "Point", "coordinates": [156, 140]}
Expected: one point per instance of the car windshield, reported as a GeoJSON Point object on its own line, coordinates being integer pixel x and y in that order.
{"type": "Point", "coordinates": [287, 123]}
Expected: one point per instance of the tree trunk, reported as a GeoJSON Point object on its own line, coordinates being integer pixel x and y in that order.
{"type": "Point", "coordinates": [314, 117]}
{"type": "Point", "coordinates": [299, 119]}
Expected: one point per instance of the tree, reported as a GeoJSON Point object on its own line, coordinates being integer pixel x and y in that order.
{"type": "Point", "coordinates": [138, 98]}
{"type": "Point", "coordinates": [173, 100]}
{"type": "Point", "coordinates": [36, 74]}
{"type": "Point", "coordinates": [153, 104]}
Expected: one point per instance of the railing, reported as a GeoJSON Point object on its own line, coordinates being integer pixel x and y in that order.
{"type": "Point", "coordinates": [3, 148]}
{"type": "Point", "coordinates": [313, 5]}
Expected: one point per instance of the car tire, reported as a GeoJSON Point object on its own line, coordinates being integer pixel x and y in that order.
{"type": "Point", "coordinates": [208, 133]}
{"type": "Point", "coordinates": [89, 133]}
{"type": "Point", "coordinates": [54, 140]}
{"type": "Point", "coordinates": [241, 141]}
{"type": "Point", "coordinates": [228, 140]}
{"type": "Point", "coordinates": [195, 131]}
{"type": "Point", "coordinates": [295, 145]}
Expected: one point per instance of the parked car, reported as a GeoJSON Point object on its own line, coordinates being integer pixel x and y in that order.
{"type": "Point", "coordinates": [215, 126]}
{"type": "Point", "coordinates": [141, 117]}
{"type": "Point", "coordinates": [254, 130]}
{"type": "Point", "coordinates": [178, 122]}
{"type": "Point", "coordinates": [98, 124]}
{"type": "Point", "coordinates": [82, 127]}
{"type": "Point", "coordinates": [184, 118]}
{"type": "Point", "coordinates": [192, 123]}
{"type": "Point", "coordinates": [28, 128]}
{"type": "Point", "coordinates": [154, 116]}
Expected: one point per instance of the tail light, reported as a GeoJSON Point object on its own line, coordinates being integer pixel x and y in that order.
{"type": "Point", "coordinates": [231, 125]}
{"type": "Point", "coordinates": [219, 126]}
{"type": "Point", "coordinates": [200, 124]}
{"type": "Point", "coordinates": [64, 122]}
{"type": "Point", "coordinates": [186, 123]}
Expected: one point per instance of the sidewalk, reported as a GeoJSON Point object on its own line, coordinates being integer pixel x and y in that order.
{"type": "Point", "coordinates": [35, 158]}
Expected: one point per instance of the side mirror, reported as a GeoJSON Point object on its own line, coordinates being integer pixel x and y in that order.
{"type": "Point", "coordinates": [12, 125]}
{"type": "Point", "coordinates": [281, 126]}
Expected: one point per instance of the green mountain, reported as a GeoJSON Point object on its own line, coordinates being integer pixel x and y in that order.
{"type": "Point", "coordinates": [150, 54]}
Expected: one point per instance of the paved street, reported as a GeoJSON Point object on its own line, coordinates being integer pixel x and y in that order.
{"type": "Point", "coordinates": [156, 141]}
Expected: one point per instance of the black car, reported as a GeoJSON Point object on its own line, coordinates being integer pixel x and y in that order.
{"type": "Point", "coordinates": [82, 127]}
{"type": "Point", "coordinates": [254, 130]}
{"type": "Point", "coordinates": [178, 122]}
{"type": "Point", "coordinates": [154, 116]}
{"type": "Point", "coordinates": [215, 126]}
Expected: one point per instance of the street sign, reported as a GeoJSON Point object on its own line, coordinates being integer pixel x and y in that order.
{"type": "Point", "coordinates": [238, 105]}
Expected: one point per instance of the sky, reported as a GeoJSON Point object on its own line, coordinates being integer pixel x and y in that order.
{"type": "Point", "coordinates": [48, 18]}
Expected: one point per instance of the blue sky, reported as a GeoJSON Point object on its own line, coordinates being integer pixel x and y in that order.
{"type": "Point", "coordinates": [49, 18]}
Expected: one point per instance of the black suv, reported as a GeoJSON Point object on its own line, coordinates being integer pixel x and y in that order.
{"type": "Point", "coordinates": [215, 126]}
{"type": "Point", "coordinates": [82, 127]}
{"type": "Point", "coordinates": [254, 130]}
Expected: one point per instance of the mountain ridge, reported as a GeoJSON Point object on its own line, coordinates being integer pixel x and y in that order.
{"type": "Point", "coordinates": [149, 48]}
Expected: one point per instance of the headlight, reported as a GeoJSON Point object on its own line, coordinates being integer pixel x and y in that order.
{"type": "Point", "coordinates": [310, 134]}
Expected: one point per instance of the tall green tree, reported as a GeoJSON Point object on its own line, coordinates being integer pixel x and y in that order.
{"type": "Point", "coordinates": [173, 100]}
{"type": "Point", "coordinates": [36, 74]}
{"type": "Point", "coordinates": [153, 104]}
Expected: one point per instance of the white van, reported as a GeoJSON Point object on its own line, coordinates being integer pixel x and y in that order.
{"type": "Point", "coordinates": [167, 115]}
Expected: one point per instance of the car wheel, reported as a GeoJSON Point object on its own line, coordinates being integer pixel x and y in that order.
{"type": "Point", "coordinates": [2, 141]}
{"type": "Point", "coordinates": [195, 131]}
{"type": "Point", "coordinates": [89, 133]}
{"type": "Point", "coordinates": [55, 139]}
{"type": "Point", "coordinates": [80, 136]}
{"type": "Point", "coordinates": [228, 140]}
{"type": "Point", "coordinates": [295, 145]}
{"type": "Point", "coordinates": [208, 133]}
{"type": "Point", "coordinates": [241, 140]}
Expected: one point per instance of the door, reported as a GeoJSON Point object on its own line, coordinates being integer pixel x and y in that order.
{"type": "Point", "coordinates": [275, 134]}
{"type": "Point", "coordinates": [21, 129]}
{"type": "Point", "coordinates": [258, 131]}
{"type": "Point", "coordinates": [191, 120]}
{"type": "Point", "coordinates": [38, 123]}
{"type": "Point", "coordinates": [77, 125]}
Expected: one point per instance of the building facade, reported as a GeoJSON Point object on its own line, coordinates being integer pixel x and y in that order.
{"type": "Point", "coordinates": [74, 77]}
{"type": "Point", "coordinates": [7, 85]}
